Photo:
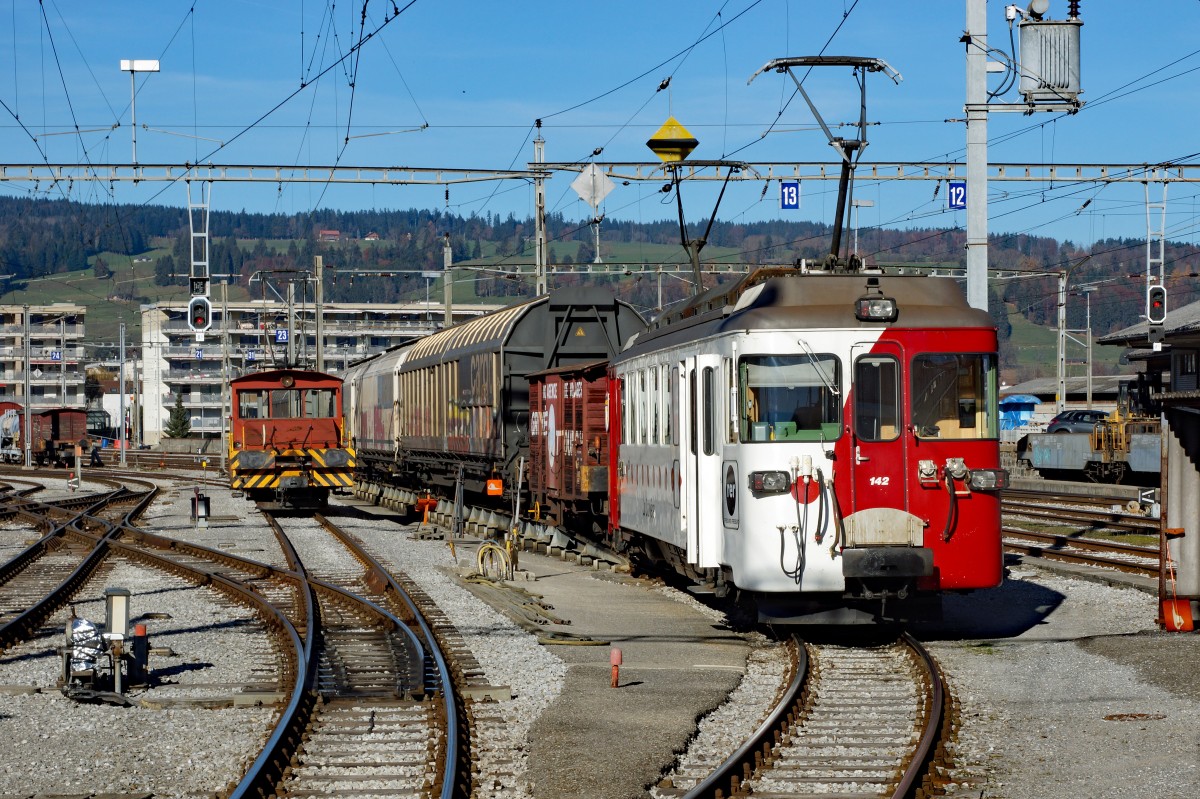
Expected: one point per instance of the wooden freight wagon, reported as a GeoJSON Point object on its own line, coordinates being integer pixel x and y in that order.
{"type": "Point", "coordinates": [568, 442]}
{"type": "Point", "coordinates": [65, 427]}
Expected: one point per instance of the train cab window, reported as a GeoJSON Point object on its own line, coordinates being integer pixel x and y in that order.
{"type": "Point", "coordinates": [320, 403]}
{"type": "Point", "coordinates": [789, 397]}
{"type": "Point", "coordinates": [954, 396]}
{"type": "Point", "coordinates": [252, 404]}
{"type": "Point", "coordinates": [876, 398]}
{"type": "Point", "coordinates": [285, 403]}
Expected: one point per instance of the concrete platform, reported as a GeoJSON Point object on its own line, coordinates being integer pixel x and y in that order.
{"type": "Point", "coordinates": [601, 742]}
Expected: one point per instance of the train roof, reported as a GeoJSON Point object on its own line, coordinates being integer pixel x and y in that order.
{"type": "Point", "coordinates": [779, 298]}
{"type": "Point", "coordinates": [573, 369]}
{"type": "Point", "coordinates": [274, 377]}
{"type": "Point", "coordinates": [530, 326]}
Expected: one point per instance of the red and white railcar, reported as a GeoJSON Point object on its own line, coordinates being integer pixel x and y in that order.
{"type": "Point", "coordinates": [825, 445]}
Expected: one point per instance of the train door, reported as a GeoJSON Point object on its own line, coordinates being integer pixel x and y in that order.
{"type": "Point", "coordinates": [878, 460]}
{"type": "Point", "coordinates": [701, 459]}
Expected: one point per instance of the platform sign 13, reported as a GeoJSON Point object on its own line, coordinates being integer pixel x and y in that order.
{"type": "Point", "coordinates": [789, 195]}
{"type": "Point", "coordinates": [957, 195]}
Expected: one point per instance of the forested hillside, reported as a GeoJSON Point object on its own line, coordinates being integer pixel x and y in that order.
{"type": "Point", "coordinates": [40, 238]}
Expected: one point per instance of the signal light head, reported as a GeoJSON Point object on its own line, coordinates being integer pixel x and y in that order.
{"type": "Point", "coordinates": [1156, 304]}
{"type": "Point", "coordinates": [199, 314]}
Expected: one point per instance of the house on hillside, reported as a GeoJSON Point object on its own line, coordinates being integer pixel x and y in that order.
{"type": "Point", "coordinates": [329, 235]}
{"type": "Point", "coordinates": [371, 237]}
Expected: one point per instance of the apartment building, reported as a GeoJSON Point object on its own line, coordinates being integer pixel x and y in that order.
{"type": "Point", "coordinates": [250, 336]}
{"type": "Point", "coordinates": [53, 355]}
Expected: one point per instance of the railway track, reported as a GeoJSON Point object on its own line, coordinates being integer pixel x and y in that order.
{"type": "Point", "coordinates": [1094, 518]}
{"type": "Point", "coordinates": [47, 574]}
{"type": "Point", "coordinates": [1024, 511]}
{"type": "Point", "coordinates": [370, 704]}
{"type": "Point", "coordinates": [388, 719]}
{"type": "Point", "coordinates": [854, 721]}
{"type": "Point", "coordinates": [1123, 557]}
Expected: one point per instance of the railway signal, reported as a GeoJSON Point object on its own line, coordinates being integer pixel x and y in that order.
{"type": "Point", "coordinates": [1156, 312]}
{"type": "Point", "coordinates": [199, 314]}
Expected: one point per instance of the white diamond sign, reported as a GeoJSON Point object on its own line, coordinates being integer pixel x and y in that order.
{"type": "Point", "coordinates": [592, 185]}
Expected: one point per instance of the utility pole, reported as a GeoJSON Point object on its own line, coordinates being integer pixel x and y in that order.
{"type": "Point", "coordinates": [977, 157]}
{"type": "Point", "coordinates": [291, 324]}
{"type": "Point", "coordinates": [319, 269]}
{"type": "Point", "coordinates": [448, 281]}
{"type": "Point", "coordinates": [224, 368]}
{"type": "Point", "coordinates": [28, 397]}
{"type": "Point", "coordinates": [539, 214]}
{"type": "Point", "coordinates": [62, 359]}
{"type": "Point", "coordinates": [121, 421]}
{"type": "Point", "coordinates": [1087, 293]}
{"type": "Point", "coordinates": [1060, 392]}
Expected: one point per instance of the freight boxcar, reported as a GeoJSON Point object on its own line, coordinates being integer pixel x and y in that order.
{"type": "Point", "coordinates": [55, 432]}
{"type": "Point", "coordinates": [568, 444]}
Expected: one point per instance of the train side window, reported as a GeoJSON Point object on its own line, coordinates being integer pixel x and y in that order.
{"type": "Point", "coordinates": [624, 411]}
{"type": "Point", "coordinates": [672, 434]}
{"type": "Point", "coordinates": [954, 396]}
{"type": "Point", "coordinates": [731, 433]}
{"type": "Point", "coordinates": [876, 398]}
{"type": "Point", "coordinates": [642, 413]}
{"type": "Point", "coordinates": [654, 404]}
{"type": "Point", "coordinates": [710, 414]}
{"type": "Point", "coordinates": [691, 390]}
{"type": "Point", "coordinates": [319, 403]}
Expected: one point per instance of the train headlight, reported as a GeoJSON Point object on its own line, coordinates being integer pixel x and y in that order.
{"type": "Point", "coordinates": [876, 308]}
{"type": "Point", "coordinates": [988, 479]}
{"type": "Point", "coordinates": [770, 482]}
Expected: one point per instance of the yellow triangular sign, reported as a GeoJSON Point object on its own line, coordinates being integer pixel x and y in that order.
{"type": "Point", "coordinates": [579, 332]}
{"type": "Point", "coordinates": [672, 142]}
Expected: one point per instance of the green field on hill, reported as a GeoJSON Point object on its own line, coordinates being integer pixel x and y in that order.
{"type": "Point", "coordinates": [119, 298]}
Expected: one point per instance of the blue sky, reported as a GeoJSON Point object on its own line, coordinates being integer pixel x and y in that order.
{"type": "Point", "coordinates": [459, 84]}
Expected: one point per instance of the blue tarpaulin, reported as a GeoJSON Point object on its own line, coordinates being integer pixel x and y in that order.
{"type": "Point", "coordinates": [1016, 410]}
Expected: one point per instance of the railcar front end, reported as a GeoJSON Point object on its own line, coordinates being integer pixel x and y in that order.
{"type": "Point", "coordinates": [287, 445]}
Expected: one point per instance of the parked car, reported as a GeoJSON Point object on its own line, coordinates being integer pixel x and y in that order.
{"type": "Point", "coordinates": [1075, 421]}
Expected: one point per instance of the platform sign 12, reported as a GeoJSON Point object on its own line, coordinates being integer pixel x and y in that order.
{"type": "Point", "coordinates": [789, 195]}
{"type": "Point", "coordinates": [957, 195]}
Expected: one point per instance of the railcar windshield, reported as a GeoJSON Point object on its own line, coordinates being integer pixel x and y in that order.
{"type": "Point", "coordinates": [287, 403]}
{"type": "Point", "coordinates": [789, 397]}
{"type": "Point", "coordinates": [954, 396]}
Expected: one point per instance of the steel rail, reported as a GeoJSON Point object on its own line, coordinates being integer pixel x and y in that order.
{"type": "Point", "coordinates": [381, 579]}
{"type": "Point", "coordinates": [272, 762]}
{"type": "Point", "coordinates": [725, 779]}
{"type": "Point", "coordinates": [934, 730]}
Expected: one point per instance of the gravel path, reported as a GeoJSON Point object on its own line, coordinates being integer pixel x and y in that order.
{"type": "Point", "coordinates": [173, 746]}
{"type": "Point", "coordinates": [1068, 689]}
